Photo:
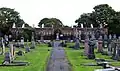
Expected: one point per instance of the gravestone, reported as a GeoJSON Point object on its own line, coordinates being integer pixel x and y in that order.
{"type": "Point", "coordinates": [77, 44]}
{"type": "Point", "coordinates": [20, 53]}
{"type": "Point", "coordinates": [113, 44]}
{"type": "Point", "coordinates": [82, 25]}
{"type": "Point", "coordinates": [33, 42]}
{"type": "Point", "coordinates": [105, 44]}
{"type": "Point", "coordinates": [3, 47]}
{"type": "Point", "coordinates": [117, 50]}
{"type": "Point", "coordinates": [101, 26]}
{"type": "Point", "coordinates": [96, 45]}
{"type": "Point", "coordinates": [86, 45]}
{"type": "Point", "coordinates": [109, 45]}
{"type": "Point", "coordinates": [91, 44]}
{"type": "Point", "coordinates": [27, 49]}
{"type": "Point", "coordinates": [22, 42]}
{"type": "Point", "coordinates": [114, 37]}
{"type": "Point", "coordinates": [100, 45]}
{"type": "Point", "coordinates": [7, 58]}
{"type": "Point", "coordinates": [17, 44]}
{"type": "Point", "coordinates": [33, 45]}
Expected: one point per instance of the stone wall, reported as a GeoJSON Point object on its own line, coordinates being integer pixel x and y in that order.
{"type": "Point", "coordinates": [67, 32]}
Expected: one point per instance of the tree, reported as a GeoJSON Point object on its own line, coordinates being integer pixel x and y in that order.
{"type": "Point", "coordinates": [86, 19]}
{"type": "Point", "coordinates": [114, 24]}
{"type": "Point", "coordinates": [103, 13]}
{"type": "Point", "coordinates": [43, 21]}
{"type": "Point", "coordinates": [27, 33]}
{"type": "Point", "coordinates": [50, 22]}
{"type": "Point", "coordinates": [19, 22]}
{"type": "Point", "coordinates": [7, 18]}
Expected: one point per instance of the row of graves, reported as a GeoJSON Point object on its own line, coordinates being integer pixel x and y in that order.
{"type": "Point", "coordinates": [108, 45]}
{"type": "Point", "coordinates": [10, 55]}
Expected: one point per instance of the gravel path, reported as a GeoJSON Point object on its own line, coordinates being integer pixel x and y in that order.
{"type": "Point", "coordinates": [58, 60]}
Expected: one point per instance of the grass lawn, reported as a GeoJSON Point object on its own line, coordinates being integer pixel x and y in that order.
{"type": "Point", "coordinates": [37, 58]}
{"type": "Point", "coordinates": [75, 58]}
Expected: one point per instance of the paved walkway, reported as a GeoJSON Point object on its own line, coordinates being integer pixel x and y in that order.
{"type": "Point", "coordinates": [58, 61]}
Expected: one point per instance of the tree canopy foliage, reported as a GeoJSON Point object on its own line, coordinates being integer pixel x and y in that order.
{"type": "Point", "coordinates": [9, 16]}
{"type": "Point", "coordinates": [102, 14]}
{"type": "Point", "coordinates": [50, 22]}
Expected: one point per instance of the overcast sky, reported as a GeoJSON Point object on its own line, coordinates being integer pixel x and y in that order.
{"type": "Point", "coordinates": [32, 11]}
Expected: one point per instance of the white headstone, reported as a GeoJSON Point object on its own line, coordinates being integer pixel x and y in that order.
{"type": "Point", "coordinates": [42, 25]}
{"type": "Point", "coordinates": [82, 26]}
{"type": "Point", "coordinates": [23, 25]}
{"type": "Point", "coordinates": [91, 25]}
{"type": "Point", "coordinates": [13, 25]}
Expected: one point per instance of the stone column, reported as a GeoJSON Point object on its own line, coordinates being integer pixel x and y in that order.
{"type": "Point", "coordinates": [12, 52]}
{"type": "Point", "coordinates": [3, 47]}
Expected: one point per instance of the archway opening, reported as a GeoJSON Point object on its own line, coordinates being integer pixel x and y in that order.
{"type": "Point", "coordinates": [57, 33]}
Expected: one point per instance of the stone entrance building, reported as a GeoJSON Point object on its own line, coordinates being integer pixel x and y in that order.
{"type": "Point", "coordinates": [49, 33]}
{"type": "Point", "coordinates": [67, 32]}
